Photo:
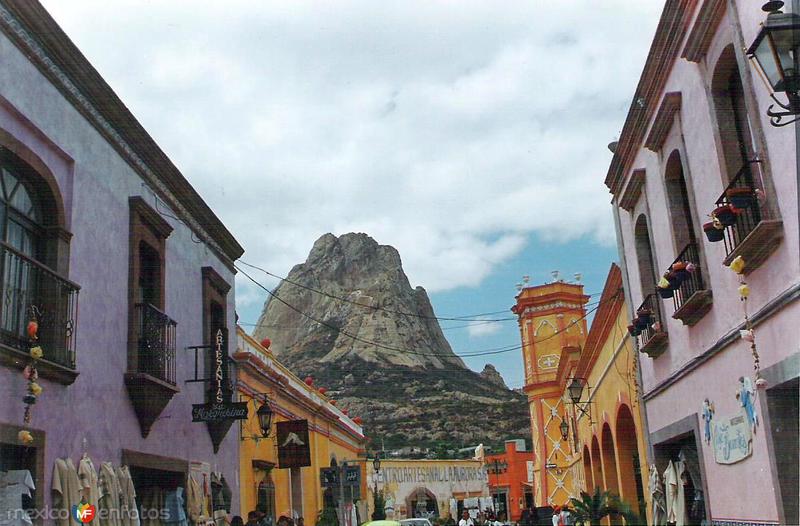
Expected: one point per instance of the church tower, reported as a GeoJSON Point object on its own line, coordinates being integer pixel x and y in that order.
{"type": "Point", "coordinates": [552, 328]}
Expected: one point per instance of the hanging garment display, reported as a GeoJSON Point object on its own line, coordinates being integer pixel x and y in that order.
{"type": "Point", "coordinates": [66, 488]}
{"type": "Point", "coordinates": [109, 509]}
{"type": "Point", "coordinates": [87, 474]}
{"type": "Point", "coordinates": [151, 501]}
{"type": "Point", "coordinates": [671, 492]}
{"type": "Point", "coordinates": [173, 508]}
{"type": "Point", "coordinates": [13, 485]}
{"type": "Point", "coordinates": [194, 501]}
{"type": "Point", "coordinates": [227, 494]}
{"type": "Point", "coordinates": [129, 511]}
{"type": "Point", "coordinates": [680, 504]}
{"type": "Point", "coordinates": [657, 497]}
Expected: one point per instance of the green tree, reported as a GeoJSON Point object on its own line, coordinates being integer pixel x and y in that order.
{"type": "Point", "coordinates": [379, 502]}
{"type": "Point", "coordinates": [590, 509]}
{"type": "Point", "coordinates": [327, 517]}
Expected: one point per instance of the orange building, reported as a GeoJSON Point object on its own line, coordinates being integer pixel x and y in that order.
{"type": "Point", "coordinates": [508, 479]}
{"type": "Point", "coordinates": [551, 323]}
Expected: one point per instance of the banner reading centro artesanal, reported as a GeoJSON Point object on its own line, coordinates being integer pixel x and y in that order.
{"type": "Point", "coordinates": [293, 448]}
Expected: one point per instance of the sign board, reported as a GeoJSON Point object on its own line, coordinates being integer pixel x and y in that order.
{"type": "Point", "coordinates": [329, 477]}
{"type": "Point", "coordinates": [220, 408]}
{"type": "Point", "coordinates": [293, 444]}
{"type": "Point", "coordinates": [529, 466]}
{"type": "Point", "coordinates": [550, 465]}
{"type": "Point", "coordinates": [733, 439]}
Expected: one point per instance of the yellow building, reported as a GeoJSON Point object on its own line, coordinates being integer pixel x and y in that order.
{"type": "Point", "coordinates": [582, 389]}
{"type": "Point", "coordinates": [552, 323]}
{"type": "Point", "coordinates": [332, 436]}
{"type": "Point", "coordinates": [610, 437]}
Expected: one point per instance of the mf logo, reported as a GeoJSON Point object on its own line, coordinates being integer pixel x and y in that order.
{"type": "Point", "coordinates": [83, 513]}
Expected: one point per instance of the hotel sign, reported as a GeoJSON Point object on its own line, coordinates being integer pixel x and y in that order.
{"type": "Point", "coordinates": [293, 444]}
{"type": "Point", "coordinates": [733, 439]}
{"type": "Point", "coordinates": [221, 408]}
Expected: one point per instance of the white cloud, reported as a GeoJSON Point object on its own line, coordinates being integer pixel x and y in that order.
{"type": "Point", "coordinates": [482, 328]}
{"type": "Point", "coordinates": [451, 130]}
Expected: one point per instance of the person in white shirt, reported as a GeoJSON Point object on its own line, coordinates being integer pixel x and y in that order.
{"type": "Point", "coordinates": [465, 519]}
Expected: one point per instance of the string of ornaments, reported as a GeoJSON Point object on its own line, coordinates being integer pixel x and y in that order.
{"type": "Point", "coordinates": [32, 376]}
{"type": "Point", "coordinates": [747, 334]}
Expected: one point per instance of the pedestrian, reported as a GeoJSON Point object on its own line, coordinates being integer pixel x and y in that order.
{"type": "Point", "coordinates": [557, 516]}
{"type": "Point", "coordinates": [301, 521]}
{"type": "Point", "coordinates": [566, 516]}
{"type": "Point", "coordinates": [465, 519]}
{"type": "Point", "coordinates": [252, 518]}
{"type": "Point", "coordinates": [237, 521]}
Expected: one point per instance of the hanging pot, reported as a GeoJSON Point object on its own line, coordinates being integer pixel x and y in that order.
{"type": "Point", "coordinates": [666, 293]}
{"type": "Point", "coordinates": [675, 279]}
{"type": "Point", "coordinates": [634, 331]}
{"type": "Point", "coordinates": [640, 324]}
{"type": "Point", "coordinates": [679, 270]}
{"type": "Point", "coordinates": [740, 197]}
{"type": "Point", "coordinates": [712, 233]}
{"type": "Point", "coordinates": [725, 214]}
{"type": "Point", "coordinates": [645, 315]}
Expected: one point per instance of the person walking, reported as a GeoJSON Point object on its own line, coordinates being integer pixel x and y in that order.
{"type": "Point", "coordinates": [465, 519]}
{"type": "Point", "coordinates": [557, 516]}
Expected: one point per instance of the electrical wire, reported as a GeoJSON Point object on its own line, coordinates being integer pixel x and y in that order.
{"type": "Point", "coordinates": [500, 350]}
{"type": "Point", "coordinates": [470, 317]}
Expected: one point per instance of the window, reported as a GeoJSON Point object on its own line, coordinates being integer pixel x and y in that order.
{"type": "Point", "coordinates": [266, 497]}
{"type": "Point", "coordinates": [33, 254]}
{"type": "Point", "coordinates": [215, 314]}
{"type": "Point", "coordinates": [644, 256]}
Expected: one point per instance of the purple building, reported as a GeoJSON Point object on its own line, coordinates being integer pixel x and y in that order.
{"type": "Point", "coordinates": [705, 187]}
{"type": "Point", "coordinates": [123, 266]}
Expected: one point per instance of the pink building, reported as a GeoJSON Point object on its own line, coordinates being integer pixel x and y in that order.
{"type": "Point", "coordinates": [697, 140]}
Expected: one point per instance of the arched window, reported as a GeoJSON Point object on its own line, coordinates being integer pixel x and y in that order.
{"type": "Point", "coordinates": [266, 497]}
{"type": "Point", "coordinates": [678, 202]}
{"type": "Point", "coordinates": [32, 247]}
{"type": "Point", "coordinates": [644, 256]}
{"type": "Point", "coordinates": [731, 112]}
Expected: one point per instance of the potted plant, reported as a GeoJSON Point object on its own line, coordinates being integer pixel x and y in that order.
{"type": "Point", "coordinates": [713, 233]}
{"type": "Point", "coordinates": [666, 293]}
{"type": "Point", "coordinates": [740, 197]}
{"type": "Point", "coordinates": [680, 271]}
{"type": "Point", "coordinates": [633, 330]}
{"type": "Point", "coordinates": [591, 509]}
{"type": "Point", "coordinates": [725, 214]}
{"type": "Point", "coordinates": [645, 316]}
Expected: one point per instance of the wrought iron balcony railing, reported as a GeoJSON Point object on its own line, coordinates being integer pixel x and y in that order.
{"type": "Point", "coordinates": [32, 290]}
{"type": "Point", "coordinates": [692, 281]}
{"type": "Point", "coordinates": [155, 334]}
{"type": "Point", "coordinates": [747, 218]}
{"type": "Point", "coordinates": [652, 335]}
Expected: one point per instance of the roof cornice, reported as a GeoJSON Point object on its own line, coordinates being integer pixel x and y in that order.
{"type": "Point", "coordinates": [31, 28]}
{"type": "Point", "coordinates": [670, 33]}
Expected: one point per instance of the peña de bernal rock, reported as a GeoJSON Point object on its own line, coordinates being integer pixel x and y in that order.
{"type": "Point", "coordinates": [410, 389]}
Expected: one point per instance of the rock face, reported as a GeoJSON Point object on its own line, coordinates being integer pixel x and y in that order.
{"type": "Point", "coordinates": [375, 343]}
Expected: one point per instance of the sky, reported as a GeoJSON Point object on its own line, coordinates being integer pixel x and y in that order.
{"type": "Point", "coordinates": [472, 136]}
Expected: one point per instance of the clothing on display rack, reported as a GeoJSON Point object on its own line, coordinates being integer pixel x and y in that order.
{"type": "Point", "coordinates": [152, 501]}
{"type": "Point", "coordinates": [657, 496]}
{"type": "Point", "coordinates": [173, 507]}
{"type": "Point", "coordinates": [66, 488]}
{"type": "Point", "coordinates": [108, 507]}
{"type": "Point", "coordinates": [87, 474]}
{"type": "Point", "coordinates": [129, 511]}
{"type": "Point", "coordinates": [194, 501]}
{"type": "Point", "coordinates": [15, 484]}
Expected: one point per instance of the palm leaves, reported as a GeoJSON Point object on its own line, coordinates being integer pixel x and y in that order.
{"type": "Point", "coordinates": [590, 509]}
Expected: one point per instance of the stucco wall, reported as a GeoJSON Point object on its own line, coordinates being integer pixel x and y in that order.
{"type": "Point", "coordinates": [96, 183]}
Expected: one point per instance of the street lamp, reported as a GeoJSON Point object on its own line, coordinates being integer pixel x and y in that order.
{"type": "Point", "coordinates": [376, 463]}
{"type": "Point", "coordinates": [564, 427]}
{"type": "Point", "coordinates": [776, 49]}
{"type": "Point", "coordinates": [575, 392]}
{"type": "Point", "coordinates": [264, 415]}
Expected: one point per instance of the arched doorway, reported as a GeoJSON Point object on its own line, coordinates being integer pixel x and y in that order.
{"type": "Point", "coordinates": [597, 470]}
{"type": "Point", "coordinates": [609, 460]}
{"type": "Point", "coordinates": [630, 474]}
{"type": "Point", "coordinates": [587, 470]}
{"type": "Point", "coordinates": [422, 503]}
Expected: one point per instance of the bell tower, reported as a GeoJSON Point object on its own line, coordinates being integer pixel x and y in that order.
{"type": "Point", "coordinates": [552, 323]}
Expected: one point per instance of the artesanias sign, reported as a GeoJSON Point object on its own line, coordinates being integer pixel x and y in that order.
{"type": "Point", "coordinates": [221, 408]}
{"type": "Point", "coordinates": [293, 447]}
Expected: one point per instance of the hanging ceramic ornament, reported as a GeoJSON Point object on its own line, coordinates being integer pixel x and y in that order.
{"type": "Point", "coordinates": [25, 437]}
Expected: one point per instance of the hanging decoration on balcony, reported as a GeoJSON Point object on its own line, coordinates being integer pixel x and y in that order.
{"type": "Point", "coordinates": [747, 334]}
{"type": "Point", "coordinates": [31, 374]}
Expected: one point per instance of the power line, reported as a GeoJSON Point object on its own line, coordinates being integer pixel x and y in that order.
{"type": "Point", "coordinates": [470, 317]}
{"type": "Point", "coordinates": [500, 350]}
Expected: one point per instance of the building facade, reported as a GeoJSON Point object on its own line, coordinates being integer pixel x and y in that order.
{"type": "Point", "coordinates": [552, 323]}
{"type": "Point", "coordinates": [333, 437]}
{"type": "Point", "coordinates": [97, 220]}
{"type": "Point", "coordinates": [430, 488]}
{"type": "Point", "coordinates": [701, 177]}
{"type": "Point", "coordinates": [509, 482]}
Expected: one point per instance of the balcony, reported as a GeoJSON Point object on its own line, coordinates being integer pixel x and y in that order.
{"type": "Point", "coordinates": [32, 290]}
{"type": "Point", "coordinates": [692, 299]}
{"type": "Point", "coordinates": [652, 337]}
{"type": "Point", "coordinates": [751, 235]}
{"type": "Point", "coordinates": [151, 379]}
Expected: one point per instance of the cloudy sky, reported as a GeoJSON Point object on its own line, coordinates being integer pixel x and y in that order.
{"type": "Point", "coordinates": [470, 135]}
